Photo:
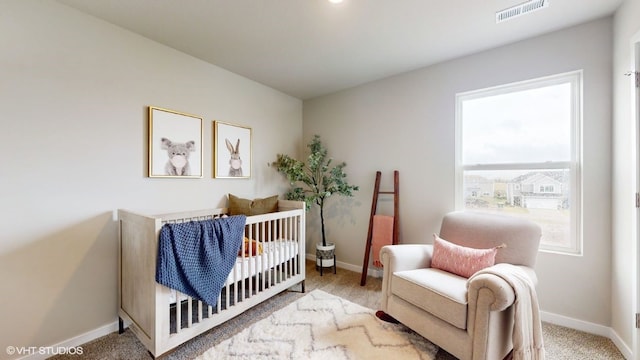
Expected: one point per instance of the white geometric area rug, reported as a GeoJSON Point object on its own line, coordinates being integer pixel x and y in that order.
{"type": "Point", "coordinates": [323, 326]}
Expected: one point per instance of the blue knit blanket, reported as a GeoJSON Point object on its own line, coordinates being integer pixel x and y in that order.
{"type": "Point", "coordinates": [196, 257]}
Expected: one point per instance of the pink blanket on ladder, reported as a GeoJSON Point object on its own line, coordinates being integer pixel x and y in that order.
{"type": "Point", "coordinates": [382, 234]}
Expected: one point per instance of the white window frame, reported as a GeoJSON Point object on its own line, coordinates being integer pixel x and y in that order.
{"type": "Point", "coordinates": [574, 78]}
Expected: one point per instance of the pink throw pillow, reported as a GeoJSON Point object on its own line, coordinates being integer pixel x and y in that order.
{"type": "Point", "coordinates": [460, 260]}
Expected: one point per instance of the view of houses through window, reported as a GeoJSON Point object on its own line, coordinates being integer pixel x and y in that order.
{"type": "Point", "coordinates": [540, 195]}
{"type": "Point", "coordinates": [518, 154]}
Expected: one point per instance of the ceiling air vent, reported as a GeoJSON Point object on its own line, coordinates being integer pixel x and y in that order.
{"type": "Point", "coordinates": [522, 9]}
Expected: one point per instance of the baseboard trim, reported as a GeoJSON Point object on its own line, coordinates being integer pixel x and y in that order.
{"type": "Point", "coordinates": [343, 265]}
{"type": "Point", "coordinates": [76, 341]}
{"type": "Point", "coordinates": [588, 327]}
{"type": "Point", "coordinates": [620, 344]}
{"type": "Point", "coordinates": [575, 324]}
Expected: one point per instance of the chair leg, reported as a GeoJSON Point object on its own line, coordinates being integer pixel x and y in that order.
{"type": "Point", "coordinates": [120, 325]}
{"type": "Point", "coordinates": [386, 317]}
{"type": "Point", "coordinates": [509, 355]}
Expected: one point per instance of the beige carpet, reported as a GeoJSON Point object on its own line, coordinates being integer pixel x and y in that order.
{"type": "Point", "coordinates": [560, 343]}
{"type": "Point", "coordinates": [323, 326]}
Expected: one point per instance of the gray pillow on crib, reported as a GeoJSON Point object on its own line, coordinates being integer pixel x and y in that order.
{"type": "Point", "coordinates": [240, 206]}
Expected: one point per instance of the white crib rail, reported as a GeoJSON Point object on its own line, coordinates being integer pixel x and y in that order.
{"type": "Point", "coordinates": [163, 318]}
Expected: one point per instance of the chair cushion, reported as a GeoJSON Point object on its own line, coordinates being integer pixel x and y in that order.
{"type": "Point", "coordinates": [438, 292]}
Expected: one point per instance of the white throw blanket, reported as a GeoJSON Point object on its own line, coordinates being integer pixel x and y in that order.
{"type": "Point", "coordinates": [527, 328]}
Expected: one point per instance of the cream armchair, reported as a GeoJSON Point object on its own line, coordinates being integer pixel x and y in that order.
{"type": "Point", "coordinates": [473, 324]}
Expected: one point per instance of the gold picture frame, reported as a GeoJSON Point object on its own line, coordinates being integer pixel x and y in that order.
{"type": "Point", "coordinates": [175, 144]}
{"type": "Point", "coordinates": [231, 151]}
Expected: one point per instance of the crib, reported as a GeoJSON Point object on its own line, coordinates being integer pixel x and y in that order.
{"type": "Point", "coordinates": [163, 318]}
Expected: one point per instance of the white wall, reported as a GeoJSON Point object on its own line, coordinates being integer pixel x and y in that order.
{"type": "Point", "coordinates": [625, 130]}
{"type": "Point", "coordinates": [74, 93]}
{"type": "Point", "coordinates": [406, 122]}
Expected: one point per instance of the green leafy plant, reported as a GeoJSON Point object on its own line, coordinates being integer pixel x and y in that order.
{"type": "Point", "coordinates": [316, 180]}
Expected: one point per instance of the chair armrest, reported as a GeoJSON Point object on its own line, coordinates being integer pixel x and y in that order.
{"type": "Point", "coordinates": [399, 258]}
{"type": "Point", "coordinates": [491, 290]}
{"type": "Point", "coordinates": [488, 296]}
{"type": "Point", "coordinates": [406, 257]}
{"type": "Point", "coordinates": [502, 293]}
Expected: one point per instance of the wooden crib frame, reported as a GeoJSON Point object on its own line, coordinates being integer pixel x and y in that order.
{"type": "Point", "coordinates": [151, 310]}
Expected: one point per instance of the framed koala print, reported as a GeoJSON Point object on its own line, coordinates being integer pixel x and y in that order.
{"type": "Point", "coordinates": [231, 151]}
{"type": "Point", "coordinates": [175, 144]}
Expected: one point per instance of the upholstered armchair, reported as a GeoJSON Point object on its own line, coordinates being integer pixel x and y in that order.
{"type": "Point", "coordinates": [469, 318]}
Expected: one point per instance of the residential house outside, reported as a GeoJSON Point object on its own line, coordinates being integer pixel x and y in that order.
{"type": "Point", "coordinates": [541, 196]}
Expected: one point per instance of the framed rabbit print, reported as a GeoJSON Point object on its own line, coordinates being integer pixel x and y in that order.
{"type": "Point", "coordinates": [175, 144]}
{"type": "Point", "coordinates": [231, 151]}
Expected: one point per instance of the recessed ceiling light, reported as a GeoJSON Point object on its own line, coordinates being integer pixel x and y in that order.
{"type": "Point", "coordinates": [335, 1]}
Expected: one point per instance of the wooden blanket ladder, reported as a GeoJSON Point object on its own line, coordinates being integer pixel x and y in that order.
{"type": "Point", "coordinates": [374, 207]}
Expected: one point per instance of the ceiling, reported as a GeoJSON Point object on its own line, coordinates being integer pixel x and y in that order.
{"type": "Point", "coordinates": [308, 48]}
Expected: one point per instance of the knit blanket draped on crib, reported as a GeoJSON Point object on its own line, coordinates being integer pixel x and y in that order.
{"type": "Point", "coordinates": [196, 257]}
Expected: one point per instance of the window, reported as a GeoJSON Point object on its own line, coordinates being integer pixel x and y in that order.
{"type": "Point", "coordinates": [518, 153]}
{"type": "Point", "coordinates": [547, 189]}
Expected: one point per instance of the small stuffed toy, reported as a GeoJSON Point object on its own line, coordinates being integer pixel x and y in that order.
{"type": "Point", "coordinates": [178, 163]}
{"type": "Point", "coordinates": [251, 248]}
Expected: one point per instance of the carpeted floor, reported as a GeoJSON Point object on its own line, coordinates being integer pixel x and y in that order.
{"type": "Point", "coordinates": [560, 343]}
{"type": "Point", "coordinates": [323, 326]}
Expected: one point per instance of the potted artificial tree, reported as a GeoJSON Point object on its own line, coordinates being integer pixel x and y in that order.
{"type": "Point", "coordinates": [314, 182]}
